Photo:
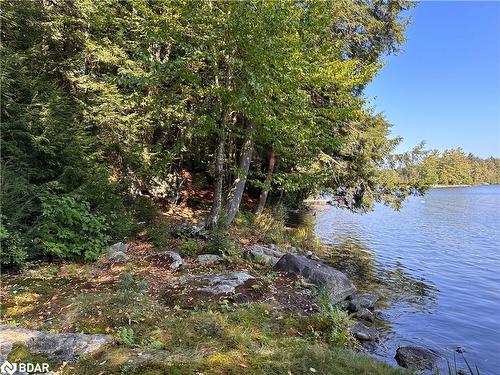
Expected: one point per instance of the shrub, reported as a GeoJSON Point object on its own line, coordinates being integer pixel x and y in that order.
{"type": "Point", "coordinates": [219, 241]}
{"type": "Point", "coordinates": [159, 234]}
{"type": "Point", "coordinates": [12, 248]}
{"type": "Point", "coordinates": [68, 229]}
{"type": "Point", "coordinates": [189, 248]}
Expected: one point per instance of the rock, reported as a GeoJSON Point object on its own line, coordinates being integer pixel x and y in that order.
{"type": "Point", "coordinates": [364, 333]}
{"type": "Point", "coordinates": [460, 349]}
{"type": "Point", "coordinates": [462, 371]}
{"type": "Point", "coordinates": [167, 258]}
{"type": "Point", "coordinates": [264, 255]}
{"type": "Point", "coordinates": [185, 230]}
{"type": "Point", "coordinates": [118, 257]}
{"type": "Point", "coordinates": [336, 284]}
{"type": "Point", "coordinates": [343, 305]}
{"type": "Point", "coordinates": [59, 347]}
{"type": "Point", "coordinates": [360, 301]}
{"type": "Point", "coordinates": [208, 259]}
{"type": "Point", "coordinates": [365, 314]}
{"type": "Point", "coordinates": [119, 246]}
{"type": "Point", "coordinates": [221, 283]}
{"type": "Point", "coordinates": [416, 358]}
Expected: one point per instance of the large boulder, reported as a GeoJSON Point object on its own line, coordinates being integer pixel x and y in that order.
{"type": "Point", "coordinates": [337, 285]}
{"type": "Point", "coordinates": [364, 333]}
{"type": "Point", "coordinates": [59, 347]}
{"type": "Point", "coordinates": [416, 358]}
{"type": "Point", "coordinates": [221, 283]}
{"type": "Point", "coordinates": [264, 255]}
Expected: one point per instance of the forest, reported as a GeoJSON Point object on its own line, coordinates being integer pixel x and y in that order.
{"type": "Point", "coordinates": [110, 107]}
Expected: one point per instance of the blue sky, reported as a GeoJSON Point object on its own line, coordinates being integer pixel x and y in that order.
{"type": "Point", "coordinates": [444, 86]}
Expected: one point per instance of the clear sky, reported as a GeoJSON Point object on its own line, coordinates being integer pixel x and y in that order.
{"type": "Point", "coordinates": [444, 86]}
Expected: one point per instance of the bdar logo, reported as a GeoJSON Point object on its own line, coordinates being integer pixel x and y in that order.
{"type": "Point", "coordinates": [8, 368]}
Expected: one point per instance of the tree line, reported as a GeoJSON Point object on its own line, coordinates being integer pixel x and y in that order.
{"type": "Point", "coordinates": [107, 106]}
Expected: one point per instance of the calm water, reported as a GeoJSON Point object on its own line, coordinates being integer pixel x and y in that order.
{"type": "Point", "coordinates": [437, 262]}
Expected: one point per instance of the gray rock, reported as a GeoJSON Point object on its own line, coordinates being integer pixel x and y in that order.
{"type": "Point", "coordinates": [208, 259]}
{"type": "Point", "coordinates": [168, 258]}
{"type": "Point", "coordinates": [185, 230]}
{"type": "Point", "coordinates": [119, 246]}
{"type": "Point", "coordinates": [336, 284]}
{"type": "Point", "coordinates": [416, 358]}
{"type": "Point", "coordinates": [59, 347]}
{"type": "Point", "coordinates": [360, 301]}
{"type": "Point", "coordinates": [221, 283]}
{"type": "Point", "coordinates": [118, 257]}
{"type": "Point", "coordinates": [364, 333]}
{"type": "Point", "coordinates": [365, 314]}
{"type": "Point", "coordinates": [264, 255]}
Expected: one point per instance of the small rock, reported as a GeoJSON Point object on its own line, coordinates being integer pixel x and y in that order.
{"type": "Point", "coordinates": [462, 371]}
{"type": "Point", "coordinates": [263, 255]}
{"type": "Point", "coordinates": [118, 257]}
{"type": "Point", "coordinates": [365, 314]}
{"type": "Point", "coordinates": [460, 349]}
{"type": "Point", "coordinates": [343, 305]}
{"type": "Point", "coordinates": [416, 358]}
{"type": "Point", "coordinates": [359, 301]}
{"type": "Point", "coordinates": [335, 283]}
{"type": "Point", "coordinates": [208, 259]}
{"type": "Point", "coordinates": [119, 246]}
{"type": "Point", "coordinates": [364, 333]}
{"type": "Point", "coordinates": [168, 258]}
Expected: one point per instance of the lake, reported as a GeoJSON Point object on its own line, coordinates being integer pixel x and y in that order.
{"type": "Point", "coordinates": [437, 264]}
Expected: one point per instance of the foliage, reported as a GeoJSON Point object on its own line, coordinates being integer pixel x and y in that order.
{"type": "Point", "coordinates": [159, 233]}
{"type": "Point", "coordinates": [219, 242]}
{"type": "Point", "coordinates": [13, 251]}
{"type": "Point", "coordinates": [188, 248]}
{"type": "Point", "coordinates": [68, 229]}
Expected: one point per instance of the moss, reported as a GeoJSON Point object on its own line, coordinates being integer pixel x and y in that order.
{"type": "Point", "coordinates": [20, 353]}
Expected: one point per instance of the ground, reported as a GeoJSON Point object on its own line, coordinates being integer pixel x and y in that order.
{"type": "Point", "coordinates": [272, 325]}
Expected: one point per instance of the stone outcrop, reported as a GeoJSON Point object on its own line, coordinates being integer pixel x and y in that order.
{"type": "Point", "coordinates": [363, 332]}
{"type": "Point", "coordinates": [59, 347]}
{"type": "Point", "coordinates": [220, 283]}
{"type": "Point", "coordinates": [335, 283]}
{"type": "Point", "coordinates": [208, 259]}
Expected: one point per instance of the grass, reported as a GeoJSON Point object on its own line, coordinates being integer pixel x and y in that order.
{"type": "Point", "coordinates": [216, 339]}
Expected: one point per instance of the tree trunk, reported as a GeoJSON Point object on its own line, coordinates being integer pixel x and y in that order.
{"type": "Point", "coordinates": [236, 192]}
{"type": "Point", "coordinates": [267, 183]}
{"type": "Point", "coordinates": [214, 216]}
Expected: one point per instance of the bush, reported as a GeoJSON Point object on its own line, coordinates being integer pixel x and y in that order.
{"type": "Point", "coordinates": [68, 229]}
{"type": "Point", "coordinates": [12, 248]}
{"type": "Point", "coordinates": [159, 234]}
{"type": "Point", "coordinates": [188, 248]}
{"type": "Point", "coordinates": [219, 241]}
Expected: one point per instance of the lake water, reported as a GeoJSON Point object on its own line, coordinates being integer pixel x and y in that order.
{"type": "Point", "coordinates": [437, 262]}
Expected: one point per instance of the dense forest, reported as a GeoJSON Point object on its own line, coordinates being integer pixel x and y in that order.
{"type": "Point", "coordinates": [112, 107]}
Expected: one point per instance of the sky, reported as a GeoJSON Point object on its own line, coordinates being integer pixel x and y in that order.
{"type": "Point", "coordinates": [444, 86]}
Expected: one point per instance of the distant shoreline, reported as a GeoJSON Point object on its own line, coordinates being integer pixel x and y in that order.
{"type": "Point", "coordinates": [449, 186]}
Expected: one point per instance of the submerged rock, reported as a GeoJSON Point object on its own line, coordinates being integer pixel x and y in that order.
{"type": "Point", "coordinates": [364, 333]}
{"type": "Point", "coordinates": [264, 255]}
{"type": "Point", "coordinates": [362, 301]}
{"type": "Point", "coordinates": [221, 283]}
{"type": "Point", "coordinates": [335, 283]}
{"type": "Point", "coordinates": [59, 347]}
{"type": "Point", "coordinates": [168, 259]}
{"type": "Point", "coordinates": [208, 259]}
{"type": "Point", "coordinates": [416, 358]}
